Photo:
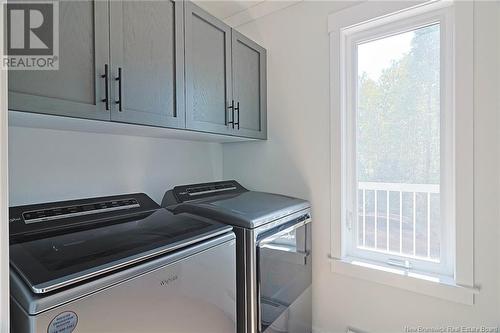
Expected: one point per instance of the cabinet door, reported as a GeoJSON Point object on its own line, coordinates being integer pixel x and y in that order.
{"type": "Point", "coordinates": [249, 87]}
{"type": "Point", "coordinates": [208, 71]}
{"type": "Point", "coordinates": [146, 41]}
{"type": "Point", "coordinates": [77, 88]}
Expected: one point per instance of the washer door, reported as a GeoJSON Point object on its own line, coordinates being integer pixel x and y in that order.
{"type": "Point", "coordinates": [284, 279]}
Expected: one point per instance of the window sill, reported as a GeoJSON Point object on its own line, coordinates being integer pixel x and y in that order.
{"type": "Point", "coordinates": [443, 287]}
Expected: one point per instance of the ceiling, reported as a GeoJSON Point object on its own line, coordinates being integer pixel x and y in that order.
{"type": "Point", "coordinates": [226, 9]}
{"type": "Point", "coordinates": [238, 12]}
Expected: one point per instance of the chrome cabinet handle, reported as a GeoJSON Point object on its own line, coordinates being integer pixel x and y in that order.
{"type": "Point", "coordinates": [119, 79]}
{"type": "Point", "coordinates": [105, 76]}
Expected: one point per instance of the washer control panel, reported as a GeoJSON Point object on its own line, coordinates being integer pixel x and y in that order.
{"type": "Point", "coordinates": [79, 210]}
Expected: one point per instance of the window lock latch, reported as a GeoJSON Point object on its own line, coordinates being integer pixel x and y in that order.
{"type": "Point", "coordinates": [399, 263]}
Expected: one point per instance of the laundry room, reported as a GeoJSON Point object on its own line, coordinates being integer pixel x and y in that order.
{"type": "Point", "coordinates": [249, 166]}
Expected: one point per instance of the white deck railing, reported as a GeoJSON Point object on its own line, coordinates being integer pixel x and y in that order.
{"type": "Point", "coordinates": [379, 189]}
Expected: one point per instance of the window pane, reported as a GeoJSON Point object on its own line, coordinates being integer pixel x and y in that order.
{"type": "Point", "coordinates": [398, 143]}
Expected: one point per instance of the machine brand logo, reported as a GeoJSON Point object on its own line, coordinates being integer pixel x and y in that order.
{"type": "Point", "coordinates": [32, 35]}
{"type": "Point", "coordinates": [15, 219]}
{"type": "Point", "coordinates": [169, 280]}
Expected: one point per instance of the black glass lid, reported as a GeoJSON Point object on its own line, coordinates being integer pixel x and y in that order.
{"type": "Point", "coordinates": [55, 262]}
{"type": "Point", "coordinates": [35, 221]}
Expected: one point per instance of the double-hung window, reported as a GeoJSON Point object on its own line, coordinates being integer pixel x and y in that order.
{"type": "Point", "coordinates": [394, 139]}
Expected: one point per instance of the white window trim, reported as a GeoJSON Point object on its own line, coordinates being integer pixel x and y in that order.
{"type": "Point", "coordinates": [460, 286]}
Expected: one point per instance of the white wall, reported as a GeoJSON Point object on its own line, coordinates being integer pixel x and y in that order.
{"type": "Point", "coordinates": [48, 165]}
{"type": "Point", "coordinates": [295, 161]}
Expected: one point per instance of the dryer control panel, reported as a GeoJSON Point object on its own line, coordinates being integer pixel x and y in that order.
{"type": "Point", "coordinates": [185, 193]}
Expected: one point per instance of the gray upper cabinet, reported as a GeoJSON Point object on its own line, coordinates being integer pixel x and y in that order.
{"type": "Point", "coordinates": [208, 71]}
{"type": "Point", "coordinates": [225, 78]}
{"type": "Point", "coordinates": [249, 87]}
{"type": "Point", "coordinates": [77, 88]}
{"type": "Point", "coordinates": [147, 57]}
{"type": "Point", "coordinates": [163, 63]}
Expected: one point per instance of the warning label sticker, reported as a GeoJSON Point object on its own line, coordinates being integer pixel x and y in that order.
{"type": "Point", "coordinates": [64, 322]}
